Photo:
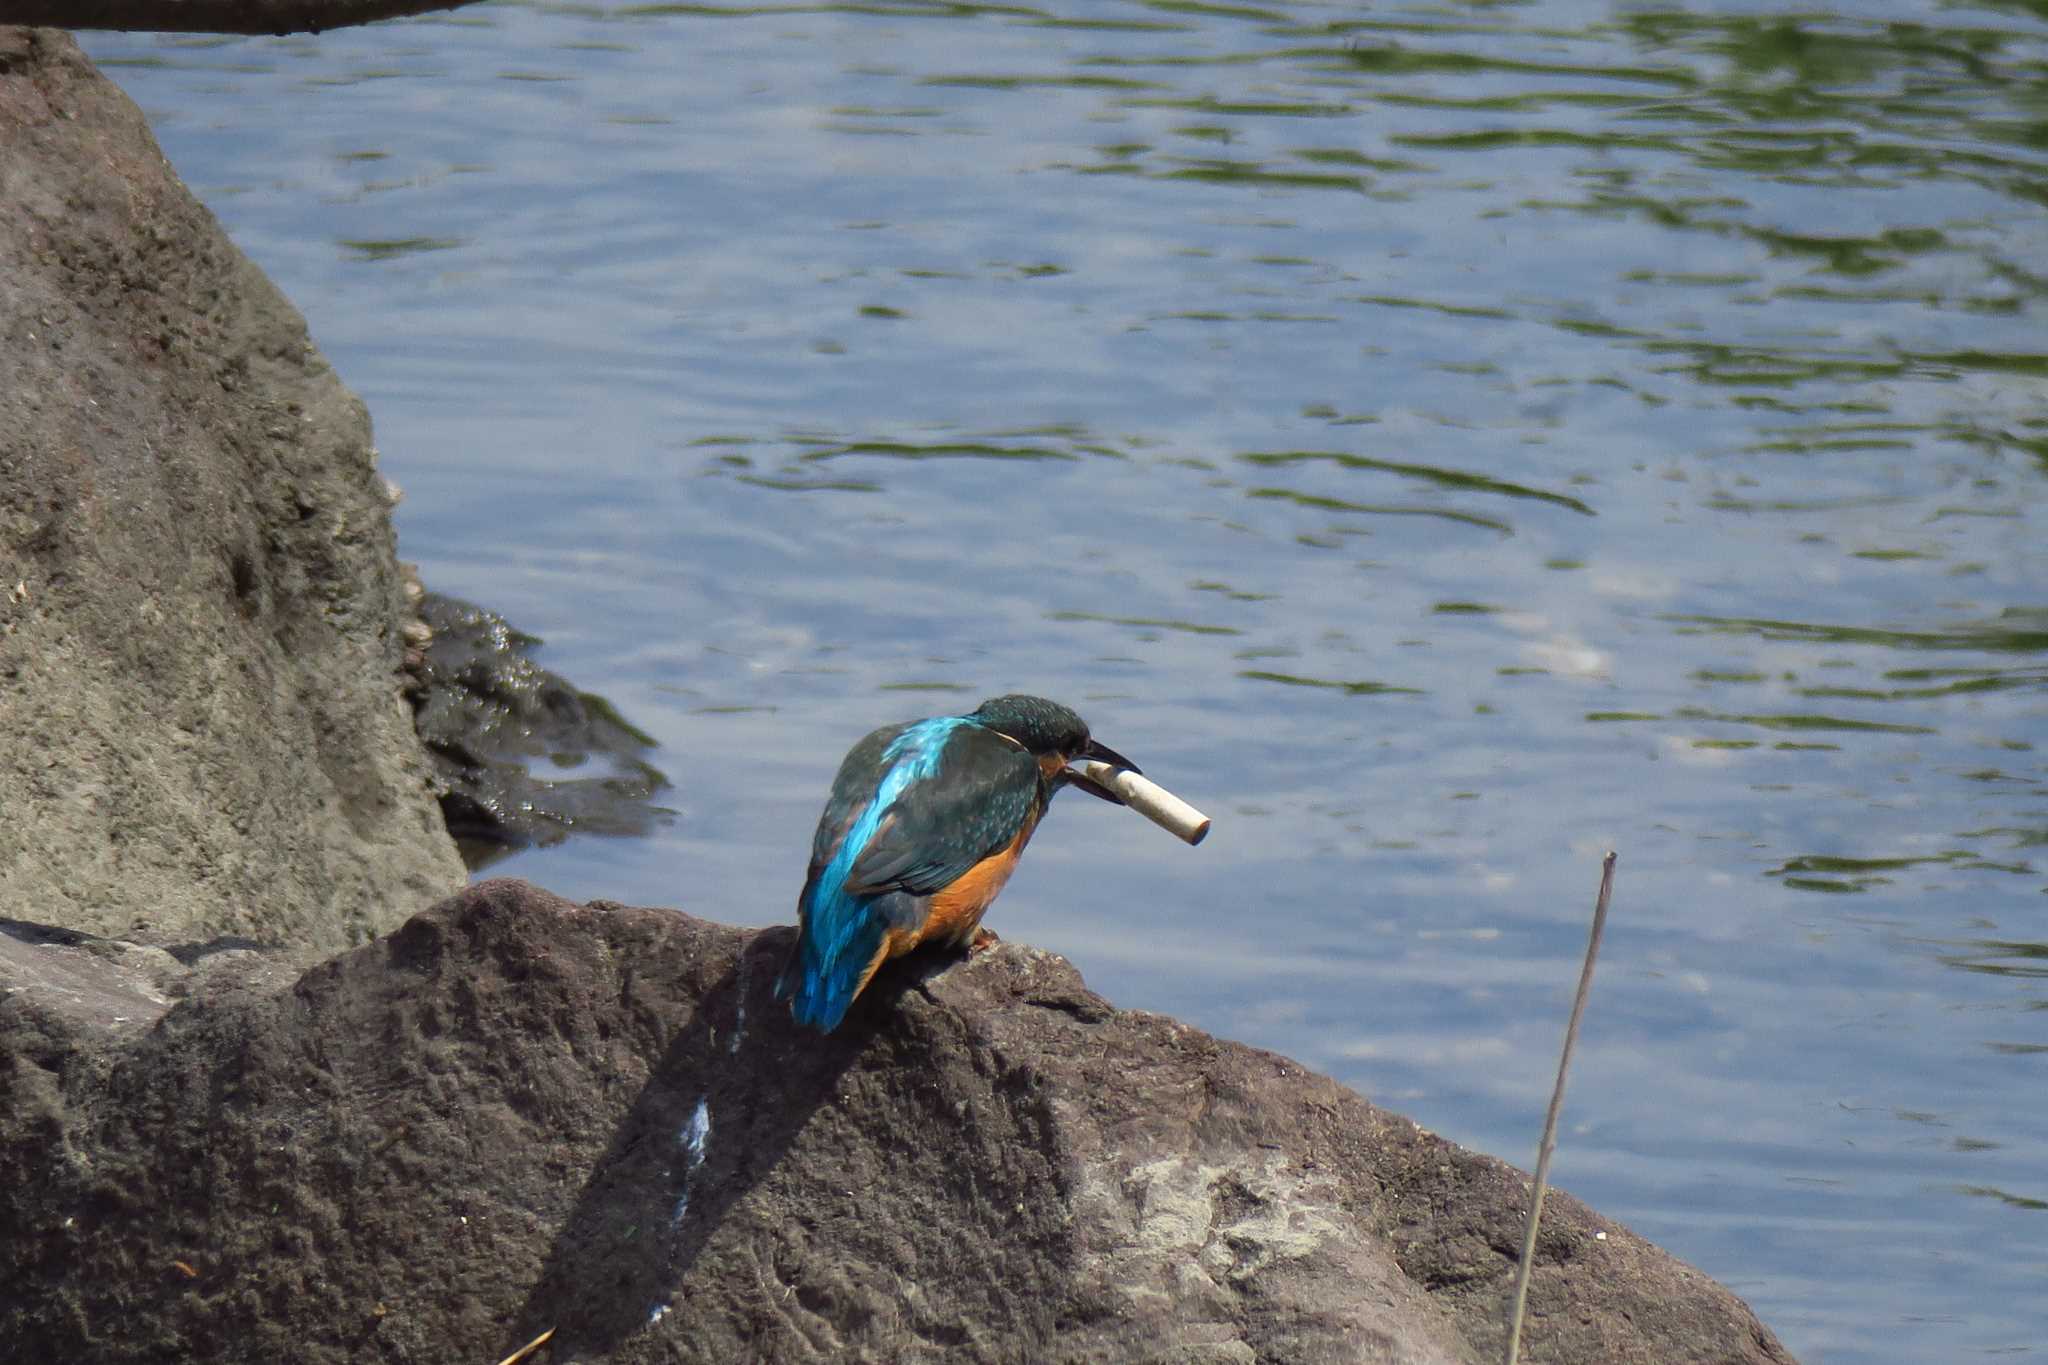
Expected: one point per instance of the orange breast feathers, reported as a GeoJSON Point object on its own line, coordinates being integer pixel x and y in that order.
{"type": "Point", "coordinates": [957, 909]}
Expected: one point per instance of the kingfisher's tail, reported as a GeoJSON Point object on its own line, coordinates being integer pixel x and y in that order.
{"type": "Point", "coordinates": [828, 964]}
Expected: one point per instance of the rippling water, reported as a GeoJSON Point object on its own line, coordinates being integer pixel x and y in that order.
{"type": "Point", "coordinates": [1444, 442]}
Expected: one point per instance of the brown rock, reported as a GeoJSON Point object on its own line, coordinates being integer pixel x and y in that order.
{"type": "Point", "coordinates": [517, 1113]}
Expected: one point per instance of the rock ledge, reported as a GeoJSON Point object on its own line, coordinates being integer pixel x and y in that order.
{"type": "Point", "coordinates": [517, 1113]}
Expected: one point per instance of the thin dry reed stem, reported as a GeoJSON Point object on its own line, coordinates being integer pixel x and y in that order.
{"type": "Point", "coordinates": [1549, 1143]}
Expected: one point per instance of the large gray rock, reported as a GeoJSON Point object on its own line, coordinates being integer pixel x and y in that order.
{"type": "Point", "coordinates": [201, 731]}
{"type": "Point", "coordinates": [517, 1113]}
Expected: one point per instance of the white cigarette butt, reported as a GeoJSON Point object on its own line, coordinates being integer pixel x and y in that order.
{"type": "Point", "coordinates": [1148, 798]}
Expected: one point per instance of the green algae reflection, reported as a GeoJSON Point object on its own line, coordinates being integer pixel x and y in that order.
{"type": "Point", "coordinates": [1461, 479]}
{"type": "Point", "coordinates": [389, 248]}
{"type": "Point", "coordinates": [2014, 631]}
{"type": "Point", "coordinates": [1363, 688]}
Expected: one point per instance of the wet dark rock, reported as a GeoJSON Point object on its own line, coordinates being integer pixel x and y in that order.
{"type": "Point", "coordinates": [200, 607]}
{"type": "Point", "coordinates": [489, 714]}
{"type": "Point", "coordinates": [516, 1113]}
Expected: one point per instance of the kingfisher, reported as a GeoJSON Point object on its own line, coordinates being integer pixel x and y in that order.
{"type": "Point", "coordinates": [925, 823]}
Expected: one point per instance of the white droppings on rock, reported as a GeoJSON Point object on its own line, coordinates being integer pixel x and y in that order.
{"type": "Point", "coordinates": [696, 1133]}
{"type": "Point", "coordinates": [692, 1137]}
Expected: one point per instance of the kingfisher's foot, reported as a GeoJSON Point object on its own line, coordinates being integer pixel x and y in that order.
{"type": "Point", "coordinates": [983, 940]}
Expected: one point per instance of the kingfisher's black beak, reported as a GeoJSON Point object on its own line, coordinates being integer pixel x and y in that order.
{"type": "Point", "coordinates": [1105, 754]}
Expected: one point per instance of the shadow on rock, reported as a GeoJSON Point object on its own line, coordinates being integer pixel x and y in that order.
{"type": "Point", "coordinates": [719, 1112]}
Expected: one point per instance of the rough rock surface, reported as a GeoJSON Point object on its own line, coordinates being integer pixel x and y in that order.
{"type": "Point", "coordinates": [517, 1113]}
{"type": "Point", "coordinates": [201, 731]}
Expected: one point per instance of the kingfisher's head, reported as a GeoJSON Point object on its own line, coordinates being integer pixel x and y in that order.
{"type": "Point", "coordinates": [1054, 734]}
